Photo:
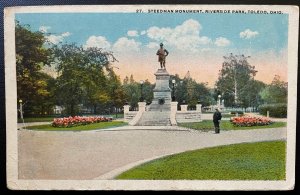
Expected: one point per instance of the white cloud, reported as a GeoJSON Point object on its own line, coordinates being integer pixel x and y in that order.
{"type": "Point", "coordinates": [99, 42]}
{"type": "Point", "coordinates": [44, 29]}
{"type": "Point", "coordinates": [184, 37]}
{"type": "Point", "coordinates": [124, 44]}
{"type": "Point", "coordinates": [206, 49]}
{"type": "Point", "coordinates": [205, 40]}
{"type": "Point", "coordinates": [159, 33]}
{"type": "Point", "coordinates": [133, 33]}
{"type": "Point", "coordinates": [57, 38]}
{"type": "Point", "coordinates": [222, 42]}
{"type": "Point", "coordinates": [54, 39]}
{"type": "Point", "coordinates": [143, 32]}
{"type": "Point", "coordinates": [152, 45]}
{"type": "Point", "coordinates": [66, 34]}
{"type": "Point", "coordinates": [248, 34]}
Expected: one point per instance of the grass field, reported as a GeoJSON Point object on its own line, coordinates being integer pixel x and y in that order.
{"type": "Point", "coordinates": [230, 115]}
{"type": "Point", "coordinates": [49, 119]}
{"type": "Point", "coordinates": [38, 119]}
{"type": "Point", "coordinates": [207, 125]}
{"type": "Point", "coordinates": [251, 161]}
{"type": "Point", "coordinates": [101, 125]}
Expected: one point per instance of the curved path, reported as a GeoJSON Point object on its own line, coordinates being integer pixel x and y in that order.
{"type": "Point", "coordinates": [103, 154]}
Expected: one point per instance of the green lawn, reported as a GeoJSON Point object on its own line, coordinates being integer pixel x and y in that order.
{"type": "Point", "coordinates": [230, 115]}
{"type": "Point", "coordinates": [250, 161]}
{"type": "Point", "coordinates": [102, 125]}
{"type": "Point", "coordinates": [207, 125]}
{"type": "Point", "coordinates": [37, 119]}
{"type": "Point", "coordinates": [50, 119]}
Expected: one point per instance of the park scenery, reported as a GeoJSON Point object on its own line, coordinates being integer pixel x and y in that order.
{"type": "Point", "coordinates": [125, 96]}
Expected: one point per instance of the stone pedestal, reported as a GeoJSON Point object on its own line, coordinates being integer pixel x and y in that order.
{"type": "Point", "coordinates": [158, 113]}
{"type": "Point", "coordinates": [173, 113]}
{"type": "Point", "coordinates": [198, 107]}
{"type": "Point", "coordinates": [183, 107]}
{"type": "Point", "coordinates": [162, 89]}
{"type": "Point", "coordinates": [174, 107]}
{"type": "Point", "coordinates": [142, 106]}
{"type": "Point", "coordinates": [126, 108]}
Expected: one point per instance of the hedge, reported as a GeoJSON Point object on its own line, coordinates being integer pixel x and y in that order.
{"type": "Point", "coordinates": [275, 110]}
{"type": "Point", "coordinates": [239, 112]}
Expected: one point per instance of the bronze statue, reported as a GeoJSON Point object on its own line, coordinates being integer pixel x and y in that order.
{"type": "Point", "coordinates": [162, 53]}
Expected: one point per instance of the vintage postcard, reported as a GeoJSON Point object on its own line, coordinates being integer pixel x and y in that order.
{"type": "Point", "coordinates": [151, 97]}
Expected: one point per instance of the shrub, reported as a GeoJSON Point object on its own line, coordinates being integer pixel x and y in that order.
{"type": "Point", "coordinates": [239, 112]}
{"type": "Point", "coordinates": [78, 120]}
{"type": "Point", "coordinates": [275, 110]}
{"type": "Point", "coordinates": [247, 121]}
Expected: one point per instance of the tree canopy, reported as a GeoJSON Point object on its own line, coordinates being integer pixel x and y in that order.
{"type": "Point", "coordinates": [276, 92]}
{"type": "Point", "coordinates": [84, 77]}
{"type": "Point", "coordinates": [235, 78]}
{"type": "Point", "coordinates": [31, 57]}
{"type": "Point", "coordinates": [188, 91]}
{"type": "Point", "coordinates": [85, 81]}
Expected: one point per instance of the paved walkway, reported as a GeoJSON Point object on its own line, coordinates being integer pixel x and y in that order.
{"type": "Point", "coordinates": [103, 154]}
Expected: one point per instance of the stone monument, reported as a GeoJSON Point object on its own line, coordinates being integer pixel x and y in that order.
{"type": "Point", "coordinates": [159, 110]}
{"type": "Point", "coordinates": [162, 111]}
{"type": "Point", "coordinates": [161, 92]}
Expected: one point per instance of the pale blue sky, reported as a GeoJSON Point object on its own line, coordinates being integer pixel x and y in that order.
{"type": "Point", "coordinates": [272, 29]}
{"type": "Point", "coordinates": [196, 42]}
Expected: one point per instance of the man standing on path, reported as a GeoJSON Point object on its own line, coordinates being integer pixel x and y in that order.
{"type": "Point", "coordinates": [216, 119]}
{"type": "Point", "coordinates": [162, 53]}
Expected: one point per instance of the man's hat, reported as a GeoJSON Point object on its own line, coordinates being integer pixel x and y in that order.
{"type": "Point", "coordinates": [161, 44]}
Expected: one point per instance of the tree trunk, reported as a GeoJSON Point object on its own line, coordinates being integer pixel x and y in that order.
{"type": "Point", "coordinates": [235, 91]}
{"type": "Point", "coordinates": [95, 109]}
{"type": "Point", "coordinates": [72, 109]}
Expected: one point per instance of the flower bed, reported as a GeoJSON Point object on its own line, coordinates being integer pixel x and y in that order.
{"type": "Point", "coordinates": [78, 120]}
{"type": "Point", "coordinates": [248, 121]}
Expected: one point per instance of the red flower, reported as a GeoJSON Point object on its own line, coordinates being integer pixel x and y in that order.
{"type": "Point", "coordinates": [78, 120]}
{"type": "Point", "coordinates": [250, 121]}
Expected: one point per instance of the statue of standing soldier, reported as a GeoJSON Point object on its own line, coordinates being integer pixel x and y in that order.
{"type": "Point", "coordinates": [162, 53]}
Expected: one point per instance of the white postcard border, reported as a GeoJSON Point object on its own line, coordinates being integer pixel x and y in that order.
{"type": "Point", "coordinates": [11, 107]}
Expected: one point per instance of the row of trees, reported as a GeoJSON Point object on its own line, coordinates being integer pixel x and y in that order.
{"type": "Point", "coordinates": [84, 80]}
{"type": "Point", "coordinates": [83, 77]}
{"type": "Point", "coordinates": [237, 85]}
{"type": "Point", "coordinates": [34, 87]}
{"type": "Point", "coordinates": [186, 91]}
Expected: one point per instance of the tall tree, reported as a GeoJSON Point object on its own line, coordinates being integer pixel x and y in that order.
{"type": "Point", "coordinates": [132, 92]}
{"type": "Point", "coordinates": [148, 91]}
{"type": "Point", "coordinates": [234, 78]}
{"type": "Point", "coordinates": [131, 80]}
{"type": "Point", "coordinates": [81, 76]}
{"type": "Point", "coordinates": [126, 80]}
{"type": "Point", "coordinates": [31, 57]}
{"type": "Point", "coordinates": [117, 93]}
{"type": "Point", "coordinates": [276, 92]}
{"type": "Point", "coordinates": [250, 96]}
{"type": "Point", "coordinates": [189, 91]}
